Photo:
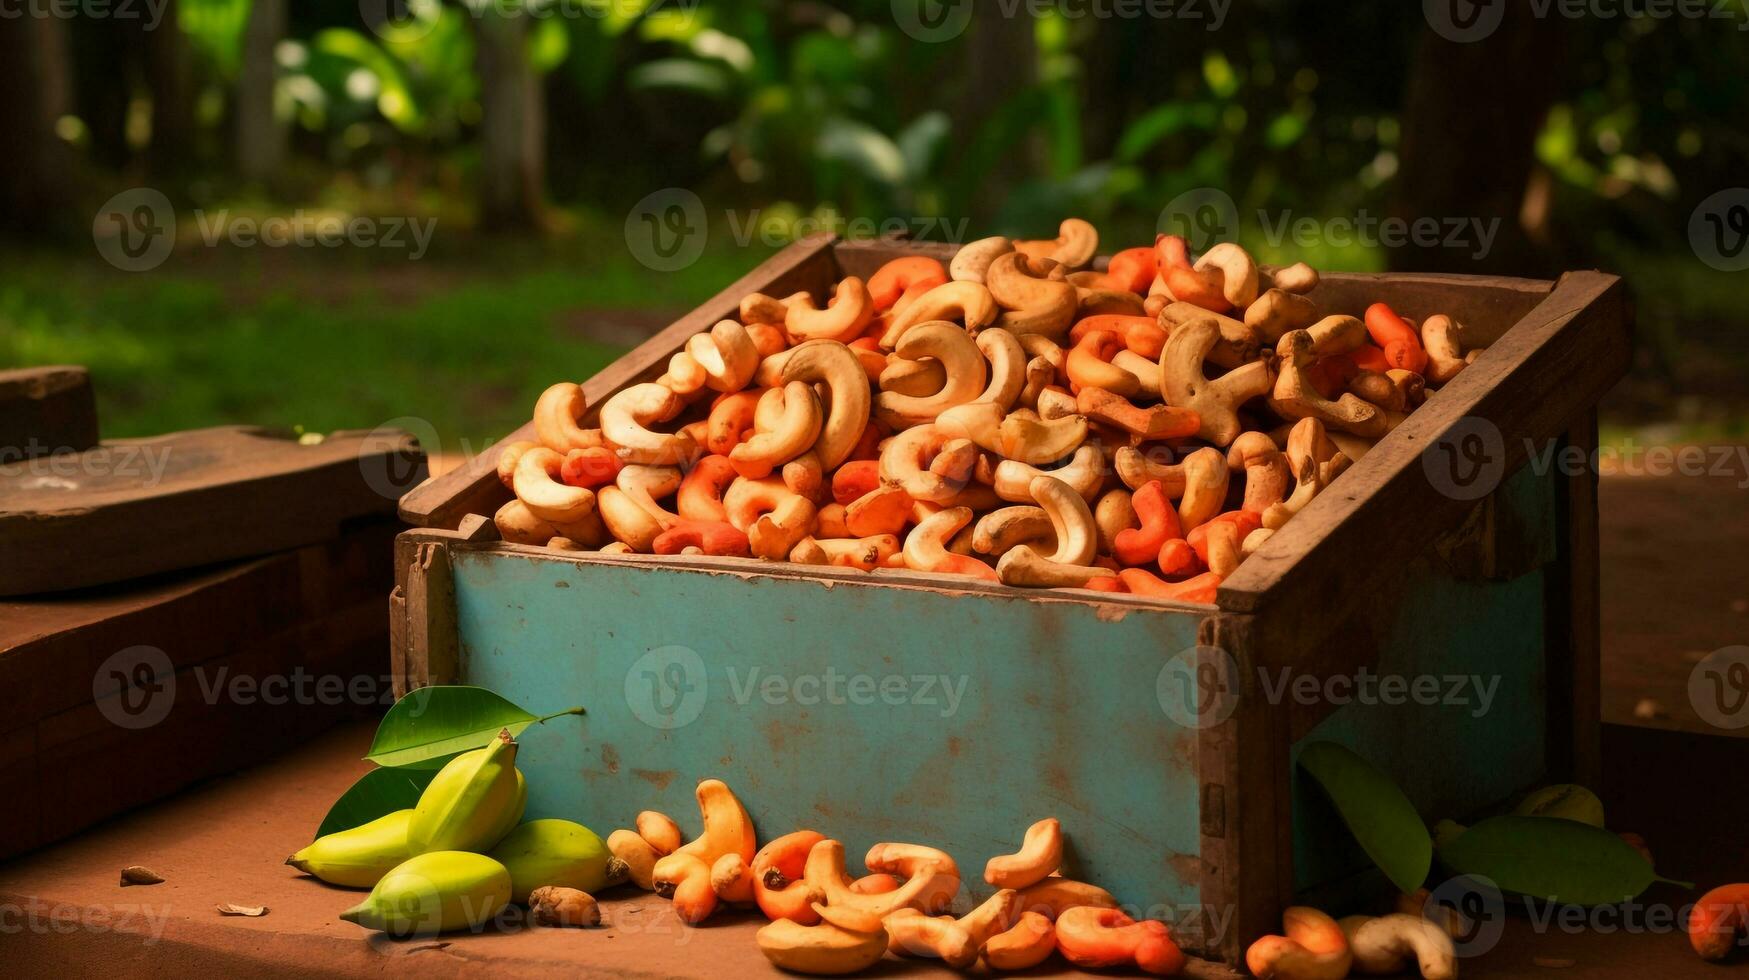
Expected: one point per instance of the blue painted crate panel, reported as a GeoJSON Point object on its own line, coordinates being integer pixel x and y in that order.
{"type": "Point", "coordinates": [867, 712]}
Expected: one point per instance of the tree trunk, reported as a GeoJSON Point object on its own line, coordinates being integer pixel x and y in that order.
{"type": "Point", "coordinates": [170, 80]}
{"type": "Point", "coordinates": [1470, 122]}
{"type": "Point", "coordinates": [261, 139]}
{"type": "Point", "coordinates": [36, 187]}
{"type": "Point", "coordinates": [512, 132]}
{"type": "Point", "coordinates": [1001, 60]}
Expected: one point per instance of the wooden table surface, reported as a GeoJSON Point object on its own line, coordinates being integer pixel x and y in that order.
{"type": "Point", "coordinates": [63, 913]}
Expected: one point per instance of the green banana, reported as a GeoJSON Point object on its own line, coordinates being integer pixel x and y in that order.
{"type": "Point", "coordinates": [556, 852]}
{"type": "Point", "coordinates": [474, 800]}
{"type": "Point", "coordinates": [439, 891]}
{"type": "Point", "coordinates": [357, 858]}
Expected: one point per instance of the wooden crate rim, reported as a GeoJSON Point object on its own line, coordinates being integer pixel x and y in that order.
{"type": "Point", "coordinates": [1321, 543]}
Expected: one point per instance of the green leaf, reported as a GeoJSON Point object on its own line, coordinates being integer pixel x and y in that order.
{"type": "Point", "coordinates": [429, 726]}
{"type": "Point", "coordinates": [1551, 858]}
{"type": "Point", "coordinates": [1377, 813]}
{"type": "Point", "coordinates": [377, 793]}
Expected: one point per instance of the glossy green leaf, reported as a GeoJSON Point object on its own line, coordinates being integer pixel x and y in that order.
{"type": "Point", "coordinates": [1380, 817]}
{"type": "Point", "coordinates": [1550, 858]}
{"type": "Point", "coordinates": [432, 724]}
{"type": "Point", "coordinates": [377, 793]}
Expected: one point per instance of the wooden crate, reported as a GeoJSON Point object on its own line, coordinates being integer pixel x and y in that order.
{"type": "Point", "coordinates": [79, 744]}
{"type": "Point", "coordinates": [1071, 703]}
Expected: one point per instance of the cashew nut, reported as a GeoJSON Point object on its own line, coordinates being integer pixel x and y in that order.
{"type": "Point", "coordinates": [1085, 474]}
{"type": "Point", "coordinates": [1314, 948]}
{"type": "Point", "coordinates": [726, 354]}
{"type": "Point", "coordinates": [701, 537]}
{"type": "Point", "coordinates": [844, 317]}
{"type": "Point", "coordinates": [627, 520]}
{"type": "Point", "coordinates": [1238, 344]}
{"type": "Point", "coordinates": [536, 483]}
{"type": "Point", "coordinates": [1026, 944]}
{"type": "Point", "coordinates": [964, 368]}
{"type": "Point", "coordinates": [915, 274]}
{"type": "Point", "coordinates": [884, 510]}
{"type": "Point", "coordinates": [1216, 403]}
{"type": "Point", "coordinates": [556, 414]}
{"type": "Point", "coordinates": [1297, 278]}
{"type": "Point", "coordinates": [518, 525]}
{"type": "Point", "coordinates": [865, 553]}
{"type": "Point", "coordinates": [1205, 488]}
{"type": "Point", "coordinates": [1114, 513]}
{"type": "Point", "coordinates": [1088, 364]}
{"type": "Point", "coordinates": [1033, 294]}
{"type": "Point", "coordinates": [648, 484]}
{"type": "Point", "coordinates": [1278, 311]}
{"type": "Point", "coordinates": [747, 499]}
{"type": "Point", "coordinates": [1077, 542]}
{"type": "Point", "coordinates": [1146, 424]}
{"type": "Point", "coordinates": [1016, 435]}
{"type": "Point", "coordinates": [921, 377]}
{"type": "Point", "coordinates": [762, 309]}
{"type": "Point", "coordinates": [1093, 937]}
{"type": "Point", "coordinates": [507, 460]}
{"type": "Point", "coordinates": [774, 534]}
{"type": "Point", "coordinates": [909, 860]}
{"type": "Point", "coordinates": [832, 363]}
{"type": "Point", "coordinates": [928, 891]}
{"type": "Point", "coordinates": [973, 259]}
{"type": "Point", "coordinates": [1314, 459]}
{"type": "Point", "coordinates": [792, 424]}
{"type": "Point", "coordinates": [1265, 468]}
{"type": "Point", "coordinates": [625, 418]}
{"type": "Point", "coordinates": [1238, 273]}
{"type": "Point", "coordinates": [1389, 943]}
{"type": "Point", "coordinates": [1007, 366]}
{"type": "Point", "coordinates": [1001, 530]}
{"type": "Point", "coordinates": [926, 547]}
{"type": "Point", "coordinates": [1145, 371]}
{"type": "Point", "coordinates": [1443, 338]}
{"type": "Point", "coordinates": [1038, 857]}
{"type": "Point", "coordinates": [1074, 246]}
{"type": "Point", "coordinates": [1295, 395]}
{"type": "Point", "coordinates": [968, 302]}
{"type": "Point", "coordinates": [906, 460]}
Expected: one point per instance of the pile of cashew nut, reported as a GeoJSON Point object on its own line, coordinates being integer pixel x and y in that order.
{"type": "Point", "coordinates": [1316, 947]}
{"type": "Point", "coordinates": [1014, 416]}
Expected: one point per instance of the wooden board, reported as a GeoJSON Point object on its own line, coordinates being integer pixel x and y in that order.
{"type": "Point", "coordinates": [135, 507]}
{"type": "Point", "coordinates": [46, 410]}
{"type": "Point", "coordinates": [121, 695]}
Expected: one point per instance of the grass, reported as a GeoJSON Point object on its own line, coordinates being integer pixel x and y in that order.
{"type": "Point", "coordinates": [456, 346]}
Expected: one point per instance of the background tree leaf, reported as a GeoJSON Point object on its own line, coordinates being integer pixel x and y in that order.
{"type": "Point", "coordinates": [1550, 858]}
{"type": "Point", "coordinates": [377, 793]}
{"type": "Point", "coordinates": [1377, 813]}
{"type": "Point", "coordinates": [430, 725]}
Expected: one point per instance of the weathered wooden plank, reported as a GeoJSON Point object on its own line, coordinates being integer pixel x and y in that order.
{"type": "Point", "coordinates": [1574, 631]}
{"type": "Point", "coordinates": [46, 410]}
{"type": "Point", "coordinates": [136, 507]}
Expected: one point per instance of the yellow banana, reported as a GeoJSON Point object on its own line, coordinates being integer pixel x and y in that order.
{"type": "Point", "coordinates": [475, 799]}
{"type": "Point", "coordinates": [846, 941]}
{"type": "Point", "coordinates": [439, 891]}
{"type": "Point", "coordinates": [556, 852]}
{"type": "Point", "coordinates": [357, 858]}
